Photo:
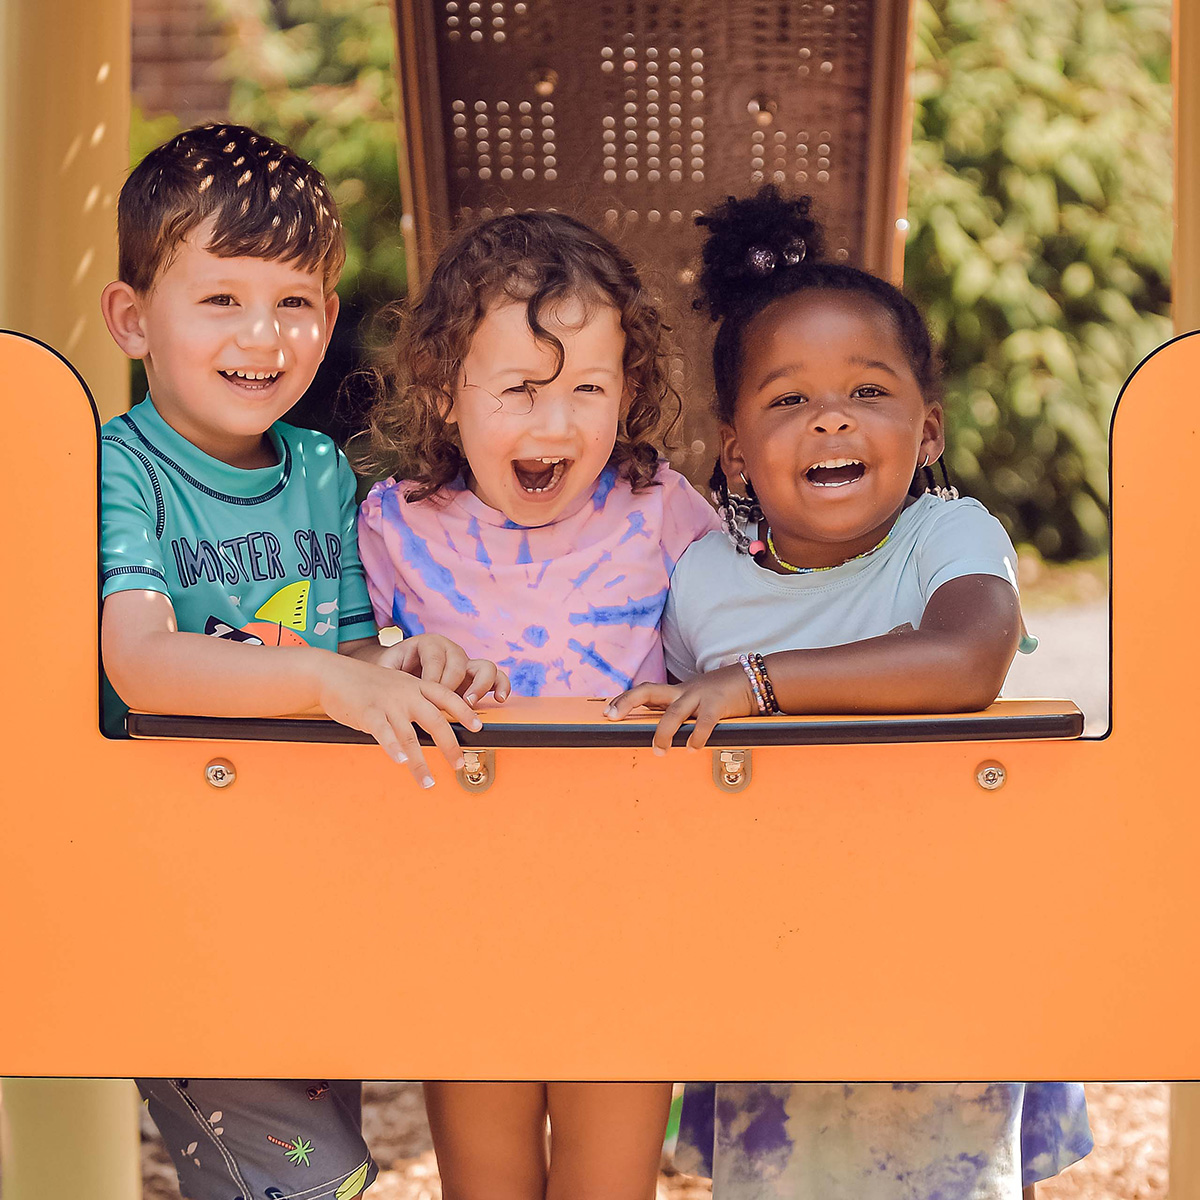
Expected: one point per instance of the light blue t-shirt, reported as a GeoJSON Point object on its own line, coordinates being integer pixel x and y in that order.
{"type": "Point", "coordinates": [266, 556]}
{"type": "Point", "coordinates": [723, 603]}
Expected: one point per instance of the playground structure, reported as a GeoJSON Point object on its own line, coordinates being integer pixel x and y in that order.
{"type": "Point", "coordinates": [840, 863]}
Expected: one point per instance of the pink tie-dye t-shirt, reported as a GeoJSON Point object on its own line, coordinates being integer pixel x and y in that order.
{"type": "Point", "coordinates": [570, 608]}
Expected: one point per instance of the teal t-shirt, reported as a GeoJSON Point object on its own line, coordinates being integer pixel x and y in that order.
{"type": "Point", "coordinates": [265, 556]}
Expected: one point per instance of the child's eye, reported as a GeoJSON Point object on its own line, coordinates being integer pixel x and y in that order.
{"type": "Point", "coordinates": [589, 387]}
{"type": "Point", "coordinates": [295, 302]}
{"type": "Point", "coordinates": [221, 300]}
{"type": "Point", "coordinates": [788, 401]}
{"type": "Point", "coordinates": [869, 391]}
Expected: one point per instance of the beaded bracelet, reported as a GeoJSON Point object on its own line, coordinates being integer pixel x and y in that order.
{"type": "Point", "coordinates": [760, 684]}
{"type": "Point", "coordinates": [760, 667]}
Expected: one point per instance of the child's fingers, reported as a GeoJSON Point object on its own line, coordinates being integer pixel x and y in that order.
{"type": "Point", "coordinates": [452, 704]}
{"type": "Point", "coordinates": [503, 686]}
{"type": "Point", "coordinates": [433, 661]}
{"type": "Point", "coordinates": [431, 720]}
{"type": "Point", "coordinates": [671, 720]}
{"type": "Point", "coordinates": [653, 695]}
{"type": "Point", "coordinates": [406, 737]}
{"type": "Point", "coordinates": [454, 668]}
{"type": "Point", "coordinates": [381, 730]}
{"type": "Point", "coordinates": [480, 679]}
{"type": "Point", "coordinates": [707, 717]}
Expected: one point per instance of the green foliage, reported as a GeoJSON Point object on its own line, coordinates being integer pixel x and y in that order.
{"type": "Point", "coordinates": [319, 75]}
{"type": "Point", "coordinates": [1040, 241]}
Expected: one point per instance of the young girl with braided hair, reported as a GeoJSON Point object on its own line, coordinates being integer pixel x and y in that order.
{"type": "Point", "coordinates": [529, 513]}
{"type": "Point", "coordinates": [844, 582]}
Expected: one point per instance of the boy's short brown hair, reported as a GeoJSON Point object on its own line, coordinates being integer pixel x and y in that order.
{"type": "Point", "coordinates": [268, 203]}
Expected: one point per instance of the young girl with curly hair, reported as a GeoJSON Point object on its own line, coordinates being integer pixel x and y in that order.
{"type": "Point", "coordinates": [530, 519]}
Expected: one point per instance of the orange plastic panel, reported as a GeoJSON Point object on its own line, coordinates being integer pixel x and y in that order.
{"type": "Point", "coordinates": [858, 912]}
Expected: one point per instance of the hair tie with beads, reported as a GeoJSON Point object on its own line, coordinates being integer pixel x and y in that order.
{"type": "Point", "coordinates": [762, 260]}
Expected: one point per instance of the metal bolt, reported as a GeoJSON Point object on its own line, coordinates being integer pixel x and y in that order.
{"type": "Point", "coordinates": [731, 769]}
{"type": "Point", "coordinates": [478, 771]}
{"type": "Point", "coordinates": [220, 773]}
{"type": "Point", "coordinates": [990, 775]}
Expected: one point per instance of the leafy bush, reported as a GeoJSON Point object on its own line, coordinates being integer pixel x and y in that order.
{"type": "Point", "coordinates": [1040, 241]}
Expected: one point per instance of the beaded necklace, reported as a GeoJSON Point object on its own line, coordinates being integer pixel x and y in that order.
{"type": "Point", "coordinates": [787, 566]}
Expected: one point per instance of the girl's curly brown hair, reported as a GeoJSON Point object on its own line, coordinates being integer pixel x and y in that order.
{"type": "Point", "coordinates": [534, 258]}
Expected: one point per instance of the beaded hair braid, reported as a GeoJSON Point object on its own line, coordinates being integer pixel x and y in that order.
{"type": "Point", "coordinates": [264, 200]}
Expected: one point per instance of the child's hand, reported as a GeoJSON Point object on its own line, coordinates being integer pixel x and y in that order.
{"type": "Point", "coordinates": [707, 698]}
{"type": "Point", "coordinates": [386, 704]}
{"type": "Point", "coordinates": [437, 659]}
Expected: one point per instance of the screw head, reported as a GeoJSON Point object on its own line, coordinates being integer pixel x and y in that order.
{"type": "Point", "coordinates": [220, 773]}
{"type": "Point", "coordinates": [990, 775]}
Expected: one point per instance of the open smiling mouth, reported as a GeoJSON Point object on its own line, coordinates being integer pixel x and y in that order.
{"type": "Point", "coordinates": [540, 476]}
{"type": "Point", "coordinates": [835, 472]}
{"type": "Point", "coordinates": [251, 381]}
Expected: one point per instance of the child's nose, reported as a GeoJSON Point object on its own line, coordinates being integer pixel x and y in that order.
{"type": "Point", "coordinates": [260, 331]}
{"type": "Point", "coordinates": [551, 414]}
{"type": "Point", "coordinates": [831, 417]}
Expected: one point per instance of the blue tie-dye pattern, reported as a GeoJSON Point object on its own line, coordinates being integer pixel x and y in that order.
{"type": "Point", "coordinates": [589, 655]}
{"type": "Point", "coordinates": [1054, 1129]}
{"type": "Point", "coordinates": [417, 555]}
{"type": "Point", "coordinates": [637, 527]}
{"type": "Point", "coordinates": [528, 677]}
{"type": "Point", "coordinates": [588, 572]}
{"type": "Point", "coordinates": [450, 541]}
{"type": "Point", "coordinates": [645, 611]}
{"type": "Point", "coordinates": [535, 635]}
{"type": "Point", "coordinates": [481, 554]}
{"type": "Point", "coordinates": [614, 582]}
{"type": "Point", "coordinates": [765, 1138]}
{"type": "Point", "coordinates": [523, 553]}
{"type": "Point", "coordinates": [402, 618]}
{"type": "Point", "coordinates": [516, 647]}
{"type": "Point", "coordinates": [509, 523]}
{"type": "Point", "coordinates": [605, 484]}
{"type": "Point", "coordinates": [564, 673]}
{"type": "Point", "coordinates": [542, 573]}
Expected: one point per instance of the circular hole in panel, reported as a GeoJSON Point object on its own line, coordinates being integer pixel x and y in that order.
{"type": "Point", "coordinates": [822, 163]}
{"type": "Point", "coordinates": [631, 216]}
{"type": "Point", "coordinates": [631, 107]}
{"type": "Point", "coordinates": [676, 176]}
{"type": "Point", "coordinates": [756, 163]}
{"type": "Point", "coordinates": [822, 176]}
{"type": "Point", "coordinates": [653, 176]}
{"type": "Point", "coordinates": [697, 176]}
{"type": "Point", "coordinates": [459, 106]}
{"type": "Point", "coordinates": [550, 160]}
{"type": "Point", "coordinates": [631, 176]}
{"type": "Point", "coordinates": [652, 122]}
{"type": "Point", "coordinates": [674, 110]}
{"type": "Point", "coordinates": [547, 106]}
{"type": "Point", "coordinates": [629, 65]}
{"type": "Point", "coordinates": [824, 135]}
{"type": "Point", "coordinates": [674, 81]}
{"type": "Point", "coordinates": [676, 216]}
{"type": "Point", "coordinates": [610, 177]}
{"type": "Point", "coordinates": [606, 65]}
{"type": "Point", "coordinates": [607, 52]}
{"type": "Point", "coordinates": [611, 216]}
{"type": "Point", "coordinates": [609, 122]}
{"type": "Point", "coordinates": [485, 172]}
{"type": "Point", "coordinates": [805, 52]}
{"type": "Point", "coordinates": [654, 216]}
{"type": "Point", "coordinates": [486, 213]}
{"type": "Point", "coordinates": [801, 176]}
{"type": "Point", "coordinates": [454, 35]}
{"type": "Point", "coordinates": [653, 162]}
{"type": "Point", "coordinates": [828, 10]}
{"type": "Point", "coordinates": [551, 174]}
{"type": "Point", "coordinates": [801, 148]}
{"type": "Point", "coordinates": [843, 253]}
{"type": "Point", "coordinates": [460, 133]}
{"type": "Point", "coordinates": [609, 163]}
{"type": "Point", "coordinates": [502, 106]}
{"type": "Point", "coordinates": [476, 22]}
{"type": "Point", "coordinates": [802, 72]}
{"type": "Point", "coordinates": [480, 106]}
{"type": "Point", "coordinates": [697, 53]}
{"type": "Point", "coordinates": [506, 160]}
{"type": "Point", "coordinates": [823, 148]}
{"type": "Point", "coordinates": [460, 118]}
{"type": "Point", "coordinates": [629, 51]}
{"type": "Point", "coordinates": [756, 177]}
{"type": "Point", "coordinates": [528, 173]}
{"type": "Point", "coordinates": [547, 120]}
{"type": "Point", "coordinates": [652, 85]}
{"type": "Point", "coordinates": [485, 160]}
{"type": "Point", "coordinates": [697, 95]}
{"type": "Point", "coordinates": [499, 35]}
{"type": "Point", "coordinates": [826, 67]}
{"type": "Point", "coordinates": [779, 177]}
{"type": "Point", "coordinates": [464, 173]}
{"type": "Point", "coordinates": [780, 136]}
{"type": "Point", "coordinates": [631, 161]}
{"type": "Point", "coordinates": [525, 106]}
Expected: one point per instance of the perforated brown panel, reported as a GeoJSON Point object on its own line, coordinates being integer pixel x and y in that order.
{"type": "Point", "coordinates": [636, 115]}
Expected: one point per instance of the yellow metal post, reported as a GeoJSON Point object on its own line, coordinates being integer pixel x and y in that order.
{"type": "Point", "coordinates": [64, 1139]}
{"type": "Point", "coordinates": [64, 145]}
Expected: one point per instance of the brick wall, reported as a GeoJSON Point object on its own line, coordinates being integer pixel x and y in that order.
{"type": "Point", "coordinates": [177, 45]}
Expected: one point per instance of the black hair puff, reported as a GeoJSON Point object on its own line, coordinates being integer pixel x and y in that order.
{"type": "Point", "coordinates": [752, 244]}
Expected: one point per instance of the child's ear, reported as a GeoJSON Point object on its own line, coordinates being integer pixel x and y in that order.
{"type": "Point", "coordinates": [732, 462]}
{"type": "Point", "coordinates": [121, 308]}
{"type": "Point", "coordinates": [933, 434]}
{"type": "Point", "coordinates": [332, 305]}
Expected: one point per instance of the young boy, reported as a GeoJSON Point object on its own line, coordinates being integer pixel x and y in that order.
{"type": "Point", "coordinates": [226, 536]}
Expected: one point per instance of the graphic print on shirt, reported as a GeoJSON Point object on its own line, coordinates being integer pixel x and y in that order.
{"type": "Point", "coordinates": [280, 621]}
